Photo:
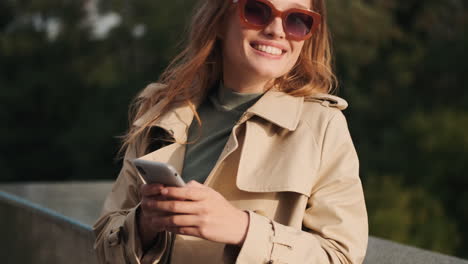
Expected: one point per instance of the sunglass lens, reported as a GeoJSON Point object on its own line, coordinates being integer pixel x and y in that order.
{"type": "Point", "coordinates": [299, 24]}
{"type": "Point", "coordinates": [257, 13]}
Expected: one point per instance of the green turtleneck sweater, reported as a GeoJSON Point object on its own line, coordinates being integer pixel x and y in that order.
{"type": "Point", "coordinates": [219, 113]}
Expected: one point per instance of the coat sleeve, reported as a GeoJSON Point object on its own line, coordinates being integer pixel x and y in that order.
{"type": "Point", "coordinates": [117, 239]}
{"type": "Point", "coordinates": [334, 227]}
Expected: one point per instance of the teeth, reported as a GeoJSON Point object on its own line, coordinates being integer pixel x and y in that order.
{"type": "Point", "coordinates": [268, 49]}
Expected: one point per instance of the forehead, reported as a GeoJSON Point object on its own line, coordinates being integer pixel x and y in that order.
{"type": "Point", "coordinates": [285, 4]}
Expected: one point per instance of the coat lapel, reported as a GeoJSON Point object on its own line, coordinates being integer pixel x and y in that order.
{"type": "Point", "coordinates": [279, 108]}
{"type": "Point", "coordinates": [176, 122]}
{"type": "Point", "coordinates": [172, 154]}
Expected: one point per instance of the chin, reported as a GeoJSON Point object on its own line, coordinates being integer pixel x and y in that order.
{"type": "Point", "coordinates": [267, 71]}
{"type": "Point", "coordinates": [266, 74]}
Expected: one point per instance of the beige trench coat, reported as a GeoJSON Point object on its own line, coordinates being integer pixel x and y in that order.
{"type": "Point", "coordinates": [289, 161]}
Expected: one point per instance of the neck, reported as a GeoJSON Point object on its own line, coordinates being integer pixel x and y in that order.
{"type": "Point", "coordinates": [246, 84]}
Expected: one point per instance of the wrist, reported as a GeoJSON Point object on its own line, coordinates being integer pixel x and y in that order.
{"type": "Point", "coordinates": [244, 227]}
{"type": "Point", "coordinates": [147, 237]}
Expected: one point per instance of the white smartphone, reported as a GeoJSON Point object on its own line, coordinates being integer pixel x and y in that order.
{"type": "Point", "coordinates": [158, 172]}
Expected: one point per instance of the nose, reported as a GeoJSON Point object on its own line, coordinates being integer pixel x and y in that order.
{"type": "Point", "coordinates": [275, 29]}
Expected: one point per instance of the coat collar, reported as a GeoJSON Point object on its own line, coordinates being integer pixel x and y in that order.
{"type": "Point", "coordinates": [274, 106]}
{"type": "Point", "coordinates": [176, 121]}
{"type": "Point", "coordinates": [279, 108]}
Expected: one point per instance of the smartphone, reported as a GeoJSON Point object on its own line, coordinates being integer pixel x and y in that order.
{"type": "Point", "coordinates": [158, 172]}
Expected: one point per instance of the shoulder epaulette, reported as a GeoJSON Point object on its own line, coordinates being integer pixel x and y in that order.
{"type": "Point", "coordinates": [328, 100]}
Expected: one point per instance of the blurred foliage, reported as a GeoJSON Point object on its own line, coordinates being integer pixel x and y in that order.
{"type": "Point", "coordinates": [403, 65]}
{"type": "Point", "coordinates": [411, 215]}
{"type": "Point", "coordinates": [65, 87]}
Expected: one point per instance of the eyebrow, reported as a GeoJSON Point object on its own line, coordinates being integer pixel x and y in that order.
{"type": "Point", "coordinates": [297, 5]}
{"type": "Point", "coordinates": [301, 6]}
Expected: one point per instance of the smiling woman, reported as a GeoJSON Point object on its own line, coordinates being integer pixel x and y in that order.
{"type": "Point", "coordinates": [245, 113]}
{"type": "Point", "coordinates": [258, 47]}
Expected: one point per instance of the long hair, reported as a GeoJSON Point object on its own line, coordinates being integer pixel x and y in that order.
{"type": "Point", "coordinates": [199, 66]}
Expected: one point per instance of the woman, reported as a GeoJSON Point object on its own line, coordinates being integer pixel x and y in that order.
{"type": "Point", "coordinates": [245, 110]}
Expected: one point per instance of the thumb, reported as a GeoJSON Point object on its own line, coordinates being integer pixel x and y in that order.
{"type": "Point", "coordinates": [194, 183]}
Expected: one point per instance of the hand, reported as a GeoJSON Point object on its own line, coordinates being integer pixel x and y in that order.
{"type": "Point", "coordinates": [197, 210]}
{"type": "Point", "coordinates": [148, 226]}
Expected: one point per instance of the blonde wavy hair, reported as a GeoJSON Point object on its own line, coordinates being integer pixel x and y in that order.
{"type": "Point", "coordinates": [199, 66]}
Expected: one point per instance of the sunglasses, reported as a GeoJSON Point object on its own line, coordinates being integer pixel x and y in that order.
{"type": "Point", "coordinates": [298, 24]}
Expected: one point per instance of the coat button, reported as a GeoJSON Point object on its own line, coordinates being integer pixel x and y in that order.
{"type": "Point", "coordinates": [114, 237]}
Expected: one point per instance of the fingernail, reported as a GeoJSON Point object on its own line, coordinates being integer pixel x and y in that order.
{"type": "Point", "coordinates": [164, 191]}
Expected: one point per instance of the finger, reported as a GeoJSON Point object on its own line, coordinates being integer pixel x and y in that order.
{"type": "Point", "coordinates": [151, 189]}
{"type": "Point", "coordinates": [177, 220]}
{"type": "Point", "coordinates": [185, 193]}
{"type": "Point", "coordinates": [147, 201]}
{"type": "Point", "coordinates": [177, 207]}
{"type": "Point", "coordinates": [158, 197]}
{"type": "Point", "coordinates": [153, 214]}
{"type": "Point", "coordinates": [185, 230]}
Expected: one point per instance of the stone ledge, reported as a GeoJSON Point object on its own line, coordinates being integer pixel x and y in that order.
{"type": "Point", "coordinates": [51, 223]}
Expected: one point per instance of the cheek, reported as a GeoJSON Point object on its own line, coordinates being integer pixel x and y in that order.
{"type": "Point", "coordinates": [230, 46]}
{"type": "Point", "coordinates": [297, 47]}
{"type": "Point", "coordinates": [233, 40]}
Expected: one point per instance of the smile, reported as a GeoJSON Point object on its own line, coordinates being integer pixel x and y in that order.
{"type": "Point", "coordinates": [268, 49]}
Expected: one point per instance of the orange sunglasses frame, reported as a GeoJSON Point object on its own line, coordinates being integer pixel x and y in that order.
{"type": "Point", "coordinates": [317, 18]}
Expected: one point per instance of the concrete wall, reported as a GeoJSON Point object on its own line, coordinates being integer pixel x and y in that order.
{"type": "Point", "coordinates": [51, 223]}
{"type": "Point", "coordinates": [32, 234]}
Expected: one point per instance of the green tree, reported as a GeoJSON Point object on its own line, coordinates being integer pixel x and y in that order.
{"type": "Point", "coordinates": [402, 67]}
